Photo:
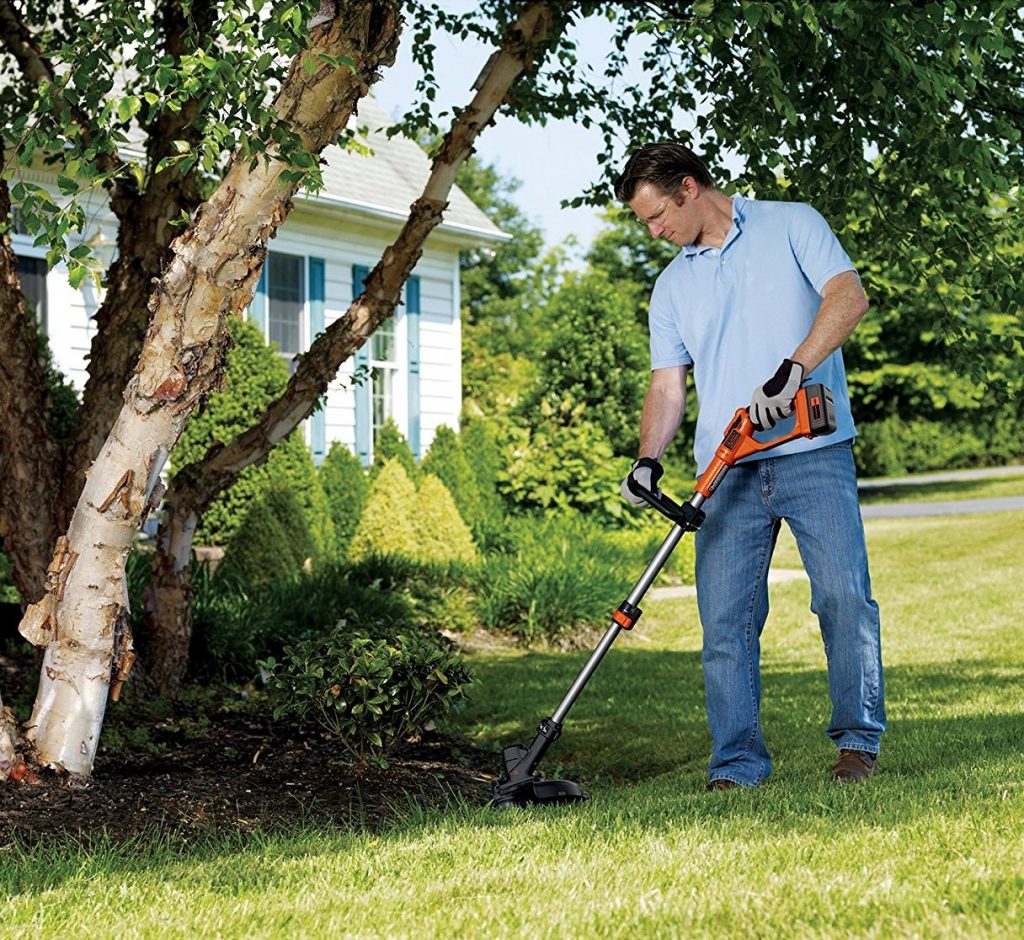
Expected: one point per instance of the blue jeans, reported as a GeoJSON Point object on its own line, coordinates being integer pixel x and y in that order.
{"type": "Point", "coordinates": [816, 493]}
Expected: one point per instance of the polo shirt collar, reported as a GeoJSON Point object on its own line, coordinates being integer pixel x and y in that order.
{"type": "Point", "coordinates": [738, 217]}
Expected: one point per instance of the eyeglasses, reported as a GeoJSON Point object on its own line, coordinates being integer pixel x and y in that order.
{"type": "Point", "coordinates": [655, 217]}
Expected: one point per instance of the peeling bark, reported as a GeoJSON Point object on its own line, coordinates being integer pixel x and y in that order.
{"type": "Point", "coordinates": [144, 235]}
{"type": "Point", "coordinates": [212, 274]}
{"type": "Point", "coordinates": [196, 486]}
{"type": "Point", "coordinates": [28, 454]}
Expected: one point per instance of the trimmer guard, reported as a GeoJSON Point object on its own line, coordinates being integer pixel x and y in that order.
{"type": "Point", "coordinates": [534, 791]}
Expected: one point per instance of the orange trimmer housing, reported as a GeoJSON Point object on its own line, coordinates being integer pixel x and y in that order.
{"type": "Point", "coordinates": [815, 417]}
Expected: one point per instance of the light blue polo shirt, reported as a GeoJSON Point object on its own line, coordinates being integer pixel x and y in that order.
{"type": "Point", "coordinates": [734, 313]}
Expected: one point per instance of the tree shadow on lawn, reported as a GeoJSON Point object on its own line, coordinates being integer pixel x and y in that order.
{"type": "Point", "coordinates": [643, 715]}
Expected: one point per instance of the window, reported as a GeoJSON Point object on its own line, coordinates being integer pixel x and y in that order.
{"type": "Point", "coordinates": [383, 366]}
{"type": "Point", "coordinates": [32, 272]}
{"type": "Point", "coordinates": [286, 301]}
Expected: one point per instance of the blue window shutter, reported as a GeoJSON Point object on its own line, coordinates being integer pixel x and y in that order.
{"type": "Point", "coordinates": [412, 319]}
{"type": "Point", "coordinates": [318, 420]}
{"type": "Point", "coordinates": [258, 307]}
{"type": "Point", "coordinates": [362, 391]}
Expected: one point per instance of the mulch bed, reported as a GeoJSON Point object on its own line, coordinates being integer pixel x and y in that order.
{"type": "Point", "coordinates": [219, 763]}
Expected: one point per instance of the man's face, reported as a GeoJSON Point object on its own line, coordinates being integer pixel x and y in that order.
{"type": "Point", "coordinates": [666, 215]}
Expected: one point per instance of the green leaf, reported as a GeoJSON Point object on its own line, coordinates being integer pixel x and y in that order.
{"type": "Point", "coordinates": [128, 107]}
{"type": "Point", "coordinates": [77, 273]}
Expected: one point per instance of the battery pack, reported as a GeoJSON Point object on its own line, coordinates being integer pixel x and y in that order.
{"type": "Point", "coordinates": [820, 410]}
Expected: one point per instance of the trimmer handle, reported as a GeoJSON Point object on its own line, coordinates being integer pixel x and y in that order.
{"type": "Point", "coordinates": [815, 417]}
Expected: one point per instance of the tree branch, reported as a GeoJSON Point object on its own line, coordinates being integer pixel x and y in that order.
{"type": "Point", "coordinates": [20, 43]}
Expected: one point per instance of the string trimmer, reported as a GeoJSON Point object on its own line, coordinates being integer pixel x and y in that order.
{"type": "Point", "coordinates": [519, 784]}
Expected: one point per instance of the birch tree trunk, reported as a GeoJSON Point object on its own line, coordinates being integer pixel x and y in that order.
{"type": "Point", "coordinates": [196, 486]}
{"type": "Point", "coordinates": [82, 619]}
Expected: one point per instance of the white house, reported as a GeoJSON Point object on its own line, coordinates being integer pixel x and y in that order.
{"type": "Point", "coordinates": [314, 270]}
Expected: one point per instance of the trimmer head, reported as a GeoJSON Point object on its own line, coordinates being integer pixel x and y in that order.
{"type": "Point", "coordinates": [532, 791]}
{"type": "Point", "coordinates": [519, 786]}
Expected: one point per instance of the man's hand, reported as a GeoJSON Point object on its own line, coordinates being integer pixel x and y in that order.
{"type": "Point", "coordinates": [646, 472]}
{"type": "Point", "coordinates": [773, 401]}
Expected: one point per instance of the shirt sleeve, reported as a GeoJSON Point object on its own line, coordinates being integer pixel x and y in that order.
{"type": "Point", "coordinates": [816, 248]}
{"type": "Point", "coordinates": [667, 347]}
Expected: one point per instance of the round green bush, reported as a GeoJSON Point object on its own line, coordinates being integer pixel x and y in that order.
{"type": "Point", "coordinates": [441, 535]}
{"type": "Point", "coordinates": [272, 543]}
{"type": "Point", "coordinates": [369, 693]}
{"type": "Point", "coordinates": [482, 449]}
{"type": "Point", "coordinates": [386, 526]}
{"type": "Point", "coordinates": [392, 445]}
{"type": "Point", "coordinates": [446, 460]}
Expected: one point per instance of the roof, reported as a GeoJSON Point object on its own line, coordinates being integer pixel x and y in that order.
{"type": "Point", "coordinates": [386, 183]}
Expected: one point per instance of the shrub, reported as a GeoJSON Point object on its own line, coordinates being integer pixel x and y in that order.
{"type": "Point", "coordinates": [234, 625]}
{"type": "Point", "coordinates": [562, 463]}
{"type": "Point", "coordinates": [564, 573]}
{"type": "Point", "coordinates": [272, 543]}
{"type": "Point", "coordinates": [392, 445]}
{"type": "Point", "coordinates": [254, 377]}
{"type": "Point", "coordinates": [346, 488]}
{"type": "Point", "coordinates": [446, 460]}
{"type": "Point", "coordinates": [482, 449]}
{"type": "Point", "coordinates": [436, 596]}
{"type": "Point", "coordinates": [894, 446]}
{"type": "Point", "coordinates": [441, 535]}
{"type": "Point", "coordinates": [64, 402]}
{"type": "Point", "coordinates": [386, 525]}
{"type": "Point", "coordinates": [369, 693]}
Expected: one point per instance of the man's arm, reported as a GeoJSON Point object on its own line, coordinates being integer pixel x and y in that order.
{"type": "Point", "coordinates": [663, 410]}
{"type": "Point", "coordinates": [843, 305]}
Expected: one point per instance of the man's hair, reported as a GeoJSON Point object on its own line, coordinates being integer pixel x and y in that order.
{"type": "Point", "coordinates": [664, 165]}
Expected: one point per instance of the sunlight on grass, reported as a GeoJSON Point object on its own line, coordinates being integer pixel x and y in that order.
{"type": "Point", "coordinates": [923, 491]}
{"type": "Point", "coordinates": [932, 847]}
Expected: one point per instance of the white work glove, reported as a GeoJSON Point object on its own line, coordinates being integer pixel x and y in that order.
{"type": "Point", "coordinates": [646, 472]}
{"type": "Point", "coordinates": [773, 401]}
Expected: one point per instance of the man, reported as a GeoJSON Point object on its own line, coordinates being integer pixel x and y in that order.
{"type": "Point", "coordinates": [757, 284]}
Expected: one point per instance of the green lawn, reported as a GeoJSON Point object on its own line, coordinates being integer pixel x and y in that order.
{"type": "Point", "coordinates": [932, 847]}
{"type": "Point", "coordinates": [923, 492]}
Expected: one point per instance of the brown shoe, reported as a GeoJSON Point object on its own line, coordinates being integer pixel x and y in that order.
{"type": "Point", "coordinates": [722, 784]}
{"type": "Point", "coordinates": [853, 766]}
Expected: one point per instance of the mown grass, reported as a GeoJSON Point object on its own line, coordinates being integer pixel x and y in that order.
{"type": "Point", "coordinates": [932, 847]}
{"type": "Point", "coordinates": [925, 492]}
